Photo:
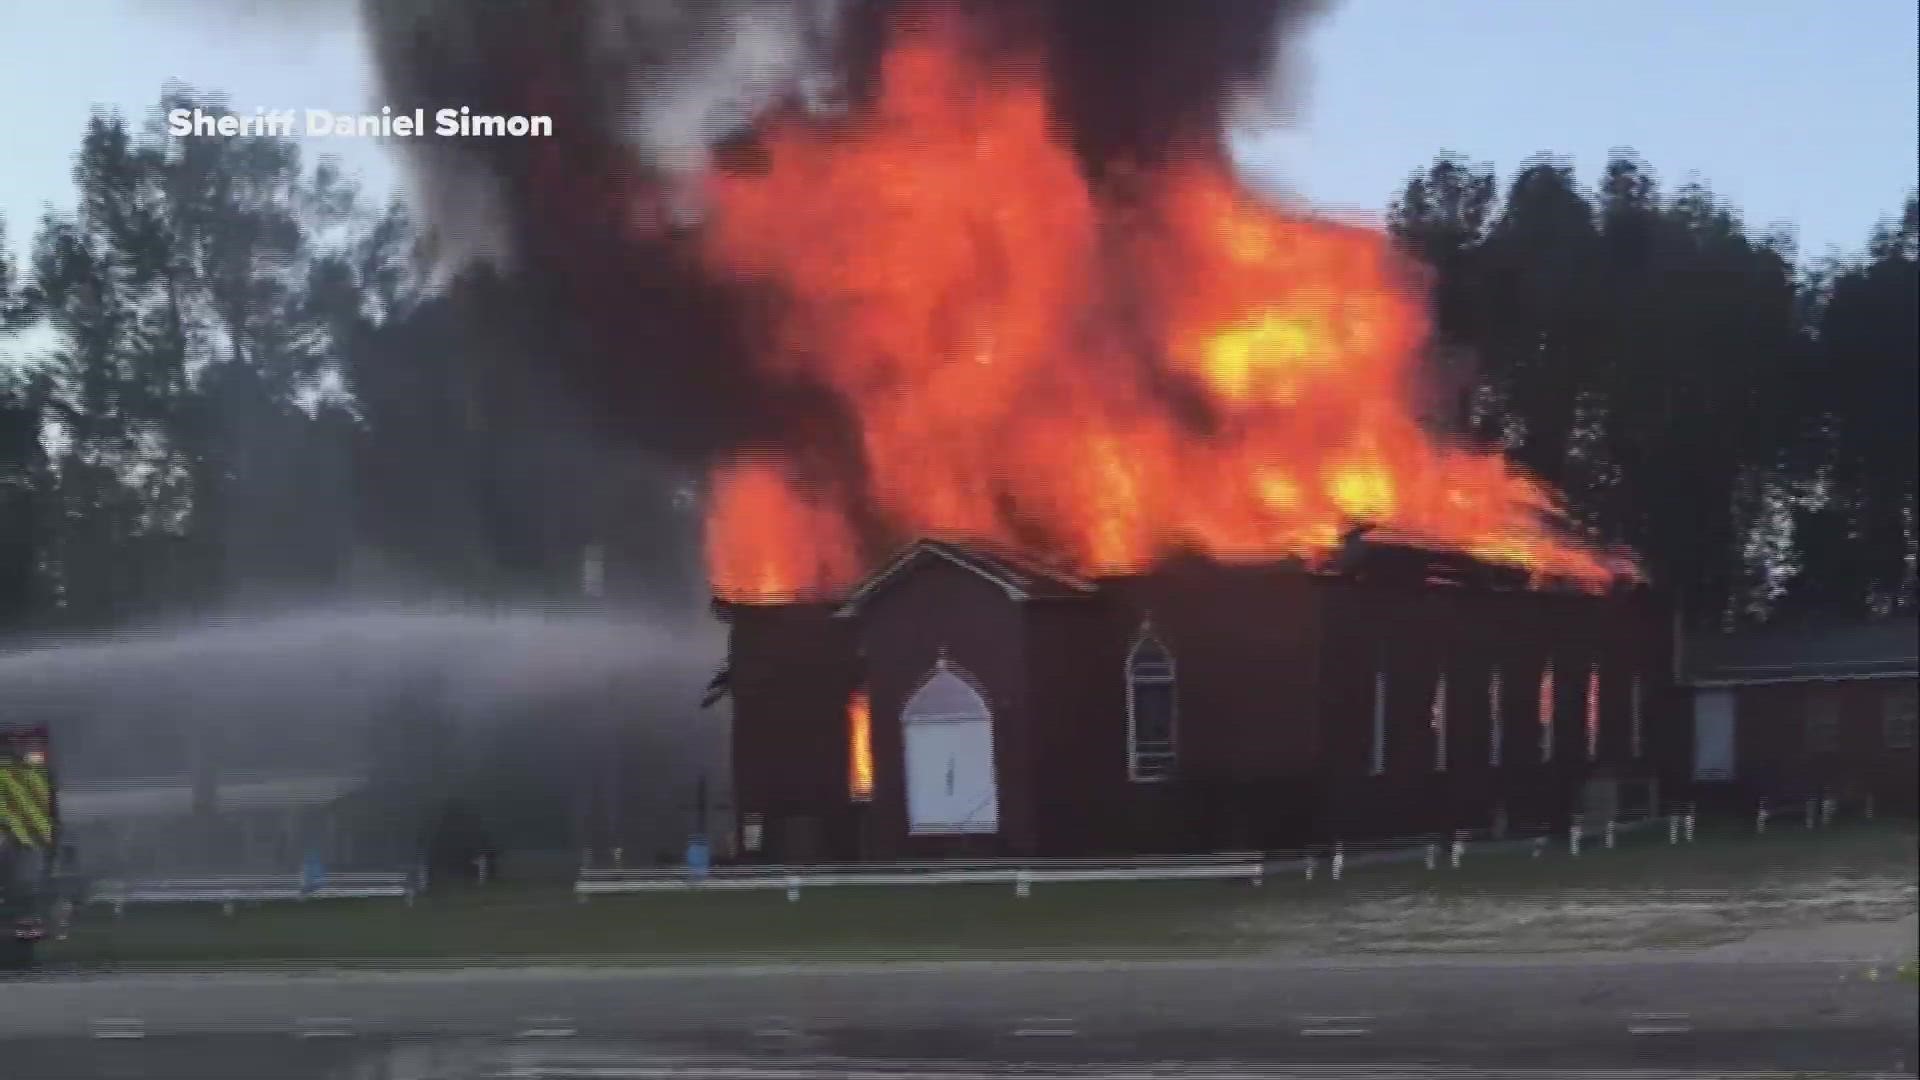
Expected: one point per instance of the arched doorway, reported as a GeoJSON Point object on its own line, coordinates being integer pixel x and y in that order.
{"type": "Point", "coordinates": [948, 735]}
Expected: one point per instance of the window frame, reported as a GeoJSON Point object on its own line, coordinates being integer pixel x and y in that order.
{"type": "Point", "coordinates": [1636, 717]}
{"type": "Point", "coordinates": [1161, 765]}
{"type": "Point", "coordinates": [1898, 706]}
{"type": "Point", "coordinates": [1820, 730]}
{"type": "Point", "coordinates": [1496, 716]}
{"type": "Point", "coordinates": [1546, 710]}
{"type": "Point", "coordinates": [1377, 750]}
{"type": "Point", "coordinates": [1591, 718]}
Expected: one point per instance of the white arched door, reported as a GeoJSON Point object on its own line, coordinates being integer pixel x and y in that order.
{"type": "Point", "coordinates": [948, 734]}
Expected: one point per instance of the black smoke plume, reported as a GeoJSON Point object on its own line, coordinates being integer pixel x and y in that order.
{"type": "Point", "coordinates": [641, 91]}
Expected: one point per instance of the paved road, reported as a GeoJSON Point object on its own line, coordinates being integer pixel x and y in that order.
{"type": "Point", "coordinates": [633, 1022]}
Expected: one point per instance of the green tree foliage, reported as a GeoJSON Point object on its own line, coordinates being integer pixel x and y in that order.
{"type": "Point", "coordinates": [1739, 423]}
{"type": "Point", "coordinates": [248, 396]}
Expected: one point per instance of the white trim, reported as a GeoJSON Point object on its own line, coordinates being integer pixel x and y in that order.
{"type": "Point", "coordinates": [1170, 679]}
{"type": "Point", "coordinates": [957, 555]}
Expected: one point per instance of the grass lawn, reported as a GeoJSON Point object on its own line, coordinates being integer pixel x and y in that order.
{"type": "Point", "coordinates": [1404, 907]}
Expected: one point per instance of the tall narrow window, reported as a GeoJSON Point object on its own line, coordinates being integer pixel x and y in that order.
{"type": "Point", "coordinates": [859, 746]}
{"type": "Point", "coordinates": [1152, 704]}
{"type": "Point", "coordinates": [1377, 754]}
{"type": "Point", "coordinates": [1897, 718]}
{"type": "Point", "coordinates": [1636, 731]}
{"type": "Point", "coordinates": [1496, 723]}
{"type": "Point", "coordinates": [1823, 720]}
{"type": "Point", "coordinates": [1546, 711]}
{"type": "Point", "coordinates": [1437, 720]}
{"type": "Point", "coordinates": [1593, 711]}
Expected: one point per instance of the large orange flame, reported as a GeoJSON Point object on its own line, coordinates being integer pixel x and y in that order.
{"type": "Point", "coordinates": [1100, 376]}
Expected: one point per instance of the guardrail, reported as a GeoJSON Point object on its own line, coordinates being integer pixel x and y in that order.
{"type": "Point", "coordinates": [229, 890]}
{"type": "Point", "coordinates": [1021, 874]}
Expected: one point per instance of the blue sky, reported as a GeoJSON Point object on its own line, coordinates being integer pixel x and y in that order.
{"type": "Point", "coordinates": [1797, 112]}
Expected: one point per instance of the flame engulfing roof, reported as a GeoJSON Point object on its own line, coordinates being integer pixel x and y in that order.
{"type": "Point", "coordinates": [1102, 371]}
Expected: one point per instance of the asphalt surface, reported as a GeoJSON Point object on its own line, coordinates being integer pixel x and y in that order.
{"type": "Point", "coordinates": [1398, 1017]}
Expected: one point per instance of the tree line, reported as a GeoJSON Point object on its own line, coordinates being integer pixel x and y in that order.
{"type": "Point", "coordinates": [1746, 425]}
{"type": "Point", "coordinates": [237, 386]}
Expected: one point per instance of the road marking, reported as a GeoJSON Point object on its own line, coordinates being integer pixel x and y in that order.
{"type": "Point", "coordinates": [324, 1027]}
{"type": "Point", "coordinates": [1046, 1028]}
{"type": "Point", "coordinates": [1335, 1027]}
{"type": "Point", "coordinates": [119, 1027]}
{"type": "Point", "coordinates": [547, 1027]}
{"type": "Point", "coordinates": [1660, 1024]}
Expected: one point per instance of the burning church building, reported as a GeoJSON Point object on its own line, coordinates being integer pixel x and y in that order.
{"type": "Point", "coordinates": [1064, 495]}
{"type": "Point", "coordinates": [1178, 562]}
{"type": "Point", "coordinates": [964, 701]}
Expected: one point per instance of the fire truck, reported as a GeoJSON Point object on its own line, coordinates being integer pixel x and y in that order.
{"type": "Point", "coordinates": [29, 842]}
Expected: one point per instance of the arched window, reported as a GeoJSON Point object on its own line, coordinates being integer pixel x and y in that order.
{"type": "Point", "coordinates": [1152, 706]}
{"type": "Point", "coordinates": [948, 734]}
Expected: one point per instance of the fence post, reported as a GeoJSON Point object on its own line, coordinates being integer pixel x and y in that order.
{"type": "Point", "coordinates": [1609, 834]}
{"type": "Point", "coordinates": [1022, 884]}
{"type": "Point", "coordinates": [1673, 829]}
{"type": "Point", "coordinates": [1433, 855]}
{"type": "Point", "coordinates": [1828, 806]}
{"type": "Point", "coordinates": [1339, 859]}
{"type": "Point", "coordinates": [1260, 872]}
{"type": "Point", "coordinates": [226, 908]}
{"type": "Point", "coordinates": [1310, 861]}
{"type": "Point", "coordinates": [793, 888]}
{"type": "Point", "coordinates": [1692, 812]}
{"type": "Point", "coordinates": [1459, 849]}
{"type": "Point", "coordinates": [1760, 819]}
{"type": "Point", "coordinates": [1539, 846]}
{"type": "Point", "coordinates": [1574, 833]}
{"type": "Point", "coordinates": [619, 859]}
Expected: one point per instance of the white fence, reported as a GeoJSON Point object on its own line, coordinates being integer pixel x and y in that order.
{"type": "Point", "coordinates": [252, 888]}
{"type": "Point", "coordinates": [1021, 875]}
{"type": "Point", "coordinates": [1449, 849]}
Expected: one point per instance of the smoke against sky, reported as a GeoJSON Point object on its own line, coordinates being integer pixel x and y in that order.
{"type": "Point", "coordinates": [1794, 116]}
